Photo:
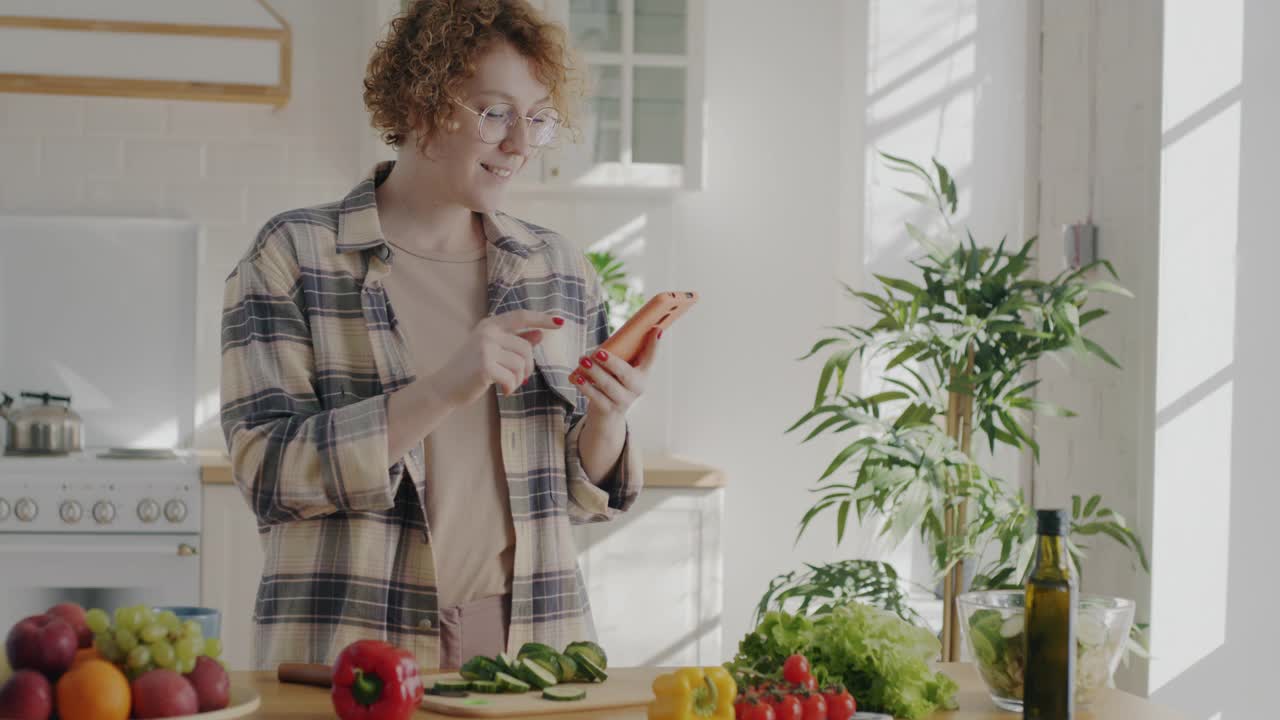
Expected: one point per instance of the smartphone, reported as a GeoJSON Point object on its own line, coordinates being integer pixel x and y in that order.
{"type": "Point", "coordinates": [661, 311]}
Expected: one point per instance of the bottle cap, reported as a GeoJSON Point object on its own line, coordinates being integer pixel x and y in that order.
{"type": "Point", "coordinates": [1052, 522]}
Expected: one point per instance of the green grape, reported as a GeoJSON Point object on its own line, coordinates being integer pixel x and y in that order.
{"type": "Point", "coordinates": [163, 655]}
{"type": "Point", "coordinates": [185, 665]}
{"type": "Point", "coordinates": [145, 616]}
{"type": "Point", "coordinates": [213, 647]}
{"type": "Point", "coordinates": [153, 632]}
{"type": "Point", "coordinates": [126, 640]}
{"type": "Point", "coordinates": [108, 648]}
{"type": "Point", "coordinates": [124, 618]}
{"type": "Point", "coordinates": [139, 615]}
{"type": "Point", "coordinates": [139, 658]}
{"type": "Point", "coordinates": [192, 629]}
{"type": "Point", "coordinates": [168, 619]}
{"type": "Point", "coordinates": [186, 649]}
{"type": "Point", "coordinates": [97, 620]}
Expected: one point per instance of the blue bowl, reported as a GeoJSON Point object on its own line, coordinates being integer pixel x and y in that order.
{"type": "Point", "coordinates": [210, 619]}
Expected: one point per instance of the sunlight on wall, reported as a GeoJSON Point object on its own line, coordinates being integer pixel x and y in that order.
{"type": "Point", "coordinates": [1198, 227]}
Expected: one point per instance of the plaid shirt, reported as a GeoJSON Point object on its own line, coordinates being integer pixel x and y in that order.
{"type": "Point", "coordinates": [310, 351]}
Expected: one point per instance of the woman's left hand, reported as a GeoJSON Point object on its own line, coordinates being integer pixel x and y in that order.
{"type": "Point", "coordinates": [611, 384]}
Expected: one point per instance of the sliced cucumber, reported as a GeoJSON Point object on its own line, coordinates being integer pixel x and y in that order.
{"type": "Point", "coordinates": [485, 686]}
{"type": "Point", "coordinates": [479, 668]}
{"type": "Point", "coordinates": [568, 668]}
{"type": "Point", "coordinates": [579, 657]}
{"type": "Point", "coordinates": [452, 685]}
{"type": "Point", "coordinates": [563, 693]}
{"type": "Point", "coordinates": [506, 663]}
{"type": "Point", "coordinates": [535, 674]}
{"type": "Point", "coordinates": [596, 672]}
{"type": "Point", "coordinates": [535, 649]}
{"type": "Point", "coordinates": [550, 663]}
{"type": "Point", "coordinates": [594, 651]}
{"type": "Point", "coordinates": [509, 684]}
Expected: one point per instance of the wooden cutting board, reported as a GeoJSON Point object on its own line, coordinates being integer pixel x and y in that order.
{"type": "Point", "coordinates": [626, 687]}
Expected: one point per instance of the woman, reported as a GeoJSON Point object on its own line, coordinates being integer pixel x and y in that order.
{"type": "Point", "coordinates": [395, 365]}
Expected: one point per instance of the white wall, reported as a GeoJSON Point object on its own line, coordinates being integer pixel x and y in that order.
{"type": "Point", "coordinates": [227, 166]}
{"type": "Point", "coordinates": [1179, 170]}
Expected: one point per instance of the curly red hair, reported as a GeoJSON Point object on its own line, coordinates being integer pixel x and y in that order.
{"type": "Point", "coordinates": [433, 47]}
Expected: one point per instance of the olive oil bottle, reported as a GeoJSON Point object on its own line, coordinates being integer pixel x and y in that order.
{"type": "Point", "coordinates": [1049, 677]}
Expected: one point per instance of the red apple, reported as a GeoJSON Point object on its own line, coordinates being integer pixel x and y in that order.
{"type": "Point", "coordinates": [27, 696]}
{"type": "Point", "coordinates": [73, 615]}
{"type": "Point", "coordinates": [161, 694]}
{"type": "Point", "coordinates": [43, 643]}
{"type": "Point", "coordinates": [213, 687]}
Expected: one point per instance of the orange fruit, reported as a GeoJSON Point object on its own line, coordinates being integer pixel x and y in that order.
{"type": "Point", "coordinates": [83, 654]}
{"type": "Point", "coordinates": [93, 690]}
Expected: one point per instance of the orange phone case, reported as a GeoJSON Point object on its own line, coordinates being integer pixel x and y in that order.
{"type": "Point", "coordinates": [661, 311]}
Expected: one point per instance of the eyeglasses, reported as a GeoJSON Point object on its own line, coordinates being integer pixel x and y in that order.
{"type": "Point", "coordinates": [496, 122]}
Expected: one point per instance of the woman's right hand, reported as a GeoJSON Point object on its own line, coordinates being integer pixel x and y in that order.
{"type": "Point", "coordinates": [498, 351]}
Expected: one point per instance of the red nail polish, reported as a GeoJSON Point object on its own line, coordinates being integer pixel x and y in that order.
{"type": "Point", "coordinates": [585, 362]}
{"type": "Point", "coordinates": [602, 356]}
{"type": "Point", "coordinates": [577, 379]}
{"type": "Point", "coordinates": [659, 333]}
{"type": "Point", "coordinates": [558, 320]}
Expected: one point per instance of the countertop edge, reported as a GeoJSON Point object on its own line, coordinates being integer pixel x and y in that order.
{"type": "Point", "coordinates": [661, 470]}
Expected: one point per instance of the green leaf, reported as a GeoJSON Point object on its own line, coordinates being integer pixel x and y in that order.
{"type": "Point", "coordinates": [909, 352]}
{"type": "Point", "coordinates": [1096, 349]}
{"type": "Point", "coordinates": [900, 284]}
{"type": "Point", "coordinates": [1090, 316]}
{"type": "Point", "coordinates": [947, 183]}
{"type": "Point", "coordinates": [1075, 506]}
{"type": "Point", "coordinates": [819, 345]}
{"type": "Point", "coordinates": [841, 519]}
{"type": "Point", "coordinates": [918, 197]}
{"type": "Point", "coordinates": [1091, 505]}
{"type": "Point", "coordinates": [843, 457]}
{"type": "Point", "coordinates": [1107, 287]}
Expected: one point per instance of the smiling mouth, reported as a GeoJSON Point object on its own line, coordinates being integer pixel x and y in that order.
{"type": "Point", "coordinates": [501, 172]}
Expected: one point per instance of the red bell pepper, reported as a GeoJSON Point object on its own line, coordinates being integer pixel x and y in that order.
{"type": "Point", "coordinates": [373, 680]}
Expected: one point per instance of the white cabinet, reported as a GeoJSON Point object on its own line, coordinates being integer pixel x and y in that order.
{"type": "Point", "coordinates": [655, 578]}
{"type": "Point", "coordinates": [641, 122]}
{"type": "Point", "coordinates": [230, 569]}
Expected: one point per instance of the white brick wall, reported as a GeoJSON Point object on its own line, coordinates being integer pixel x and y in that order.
{"type": "Point", "coordinates": [226, 166]}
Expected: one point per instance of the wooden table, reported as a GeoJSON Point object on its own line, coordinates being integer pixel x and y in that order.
{"type": "Point", "coordinates": [295, 702]}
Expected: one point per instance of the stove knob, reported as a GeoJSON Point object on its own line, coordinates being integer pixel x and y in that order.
{"type": "Point", "coordinates": [175, 511]}
{"type": "Point", "coordinates": [4, 509]}
{"type": "Point", "coordinates": [70, 512]}
{"type": "Point", "coordinates": [25, 509]}
{"type": "Point", "coordinates": [148, 511]}
{"type": "Point", "coordinates": [104, 512]}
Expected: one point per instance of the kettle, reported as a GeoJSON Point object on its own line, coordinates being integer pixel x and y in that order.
{"type": "Point", "coordinates": [41, 428]}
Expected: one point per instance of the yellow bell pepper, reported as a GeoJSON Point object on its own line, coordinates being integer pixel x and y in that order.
{"type": "Point", "coordinates": [694, 694]}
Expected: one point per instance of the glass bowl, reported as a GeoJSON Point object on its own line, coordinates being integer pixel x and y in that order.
{"type": "Point", "coordinates": [991, 623]}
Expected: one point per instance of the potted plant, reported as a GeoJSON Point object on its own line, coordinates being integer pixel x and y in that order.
{"type": "Point", "coordinates": [958, 339]}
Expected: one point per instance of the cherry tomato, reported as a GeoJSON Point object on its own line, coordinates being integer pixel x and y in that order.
{"type": "Point", "coordinates": [810, 684]}
{"type": "Point", "coordinates": [795, 669]}
{"type": "Point", "coordinates": [840, 705]}
{"type": "Point", "coordinates": [760, 711]}
{"type": "Point", "coordinates": [788, 707]}
{"type": "Point", "coordinates": [815, 707]}
{"type": "Point", "coordinates": [741, 708]}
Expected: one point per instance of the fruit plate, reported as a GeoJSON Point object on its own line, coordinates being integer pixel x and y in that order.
{"type": "Point", "coordinates": [243, 701]}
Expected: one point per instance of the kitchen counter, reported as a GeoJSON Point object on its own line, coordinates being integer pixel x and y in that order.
{"type": "Point", "coordinates": [294, 702]}
{"type": "Point", "coordinates": [660, 470]}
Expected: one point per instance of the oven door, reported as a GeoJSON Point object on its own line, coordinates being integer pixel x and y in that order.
{"type": "Point", "coordinates": [38, 571]}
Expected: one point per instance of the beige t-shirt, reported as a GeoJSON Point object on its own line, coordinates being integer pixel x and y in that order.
{"type": "Point", "coordinates": [438, 300]}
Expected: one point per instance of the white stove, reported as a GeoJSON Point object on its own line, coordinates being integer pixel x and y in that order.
{"type": "Point", "coordinates": [112, 531]}
{"type": "Point", "coordinates": [95, 491]}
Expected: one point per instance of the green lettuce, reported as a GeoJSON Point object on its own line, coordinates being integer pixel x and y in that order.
{"type": "Point", "coordinates": [881, 659]}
